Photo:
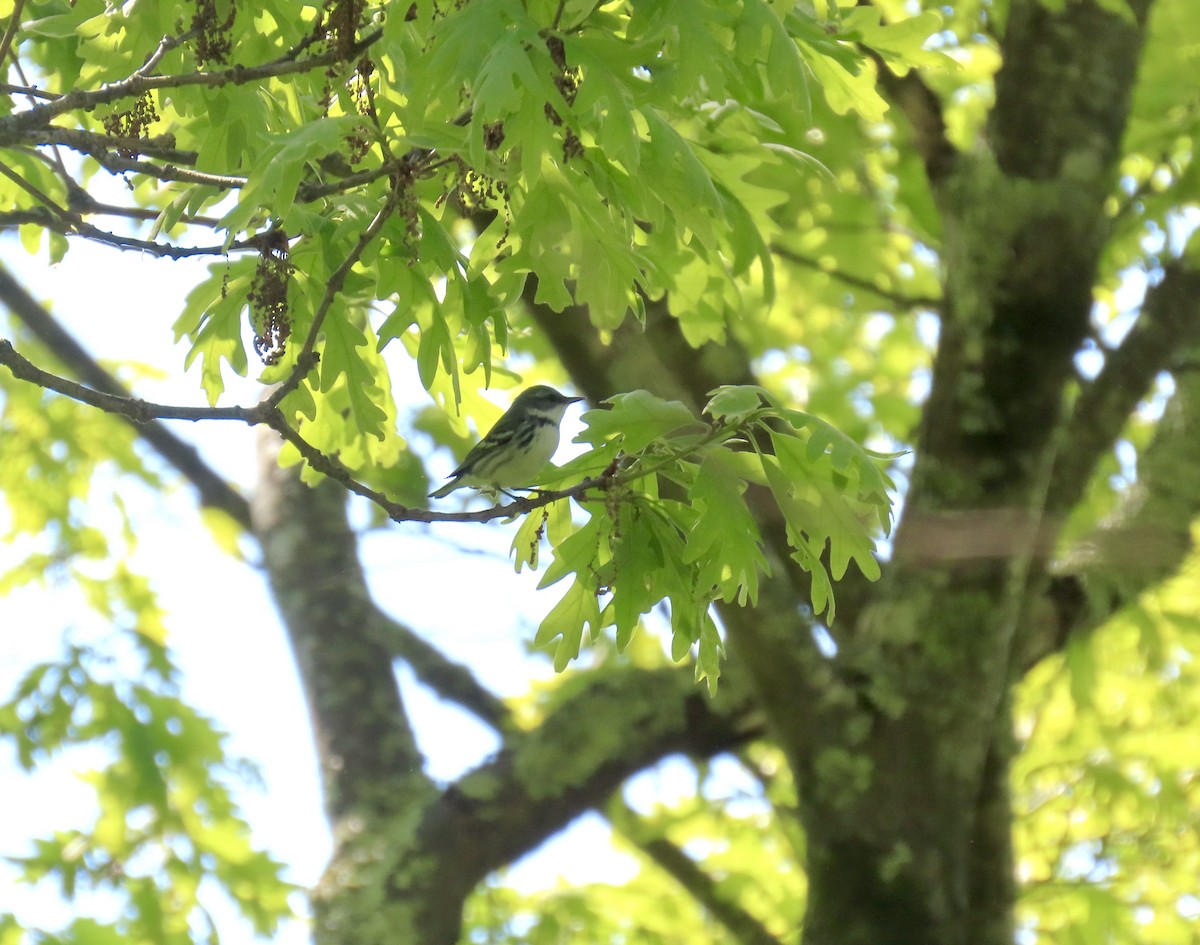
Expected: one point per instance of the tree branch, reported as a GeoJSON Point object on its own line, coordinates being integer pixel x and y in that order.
{"type": "Point", "coordinates": [858, 282]}
{"type": "Point", "coordinates": [119, 164]}
{"type": "Point", "coordinates": [95, 207]}
{"type": "Point", "coordinates": [449, 679]}
{"type": "Point", "coordinates": [614, 725]}
{"type": "Point", "coordinates": [13, 127]}
{"type": "Point", "coordinates": [923, 109]}
{"type": "Point", "coordinates": [314, 190]}
{"type": "Point", "coordinates": [1144, 543]}
{"type": "Point", "coordinates": [370, 762]}
{"type": "Point", "coordinates": [165, 45]}
{"type": "Point", "coordinates": [306, 359]}
{"type": "Point", "coordinates": [214, 491]}
{"type": "Point", "coordinates": [90, 142]}
{"type": "Point", "coordinates": [85, 229]}
{"type": "Point", "coordinates": [144, 413]}
{"type": "Point", "coordinates": [38, 216]}
{"type": "Point", "coordinates": [743, 926]}
{"type": "Point", "coordinates": [68, 223]}
{"type": "Point", "coordinates": [131, 408]}
{"type": "Point", "coordinates": [27, 90]}
{"type": "Point", "coordinates": [1168, 323]}
{"type": "Point", "coordinates": [10, 32]}
{"type": "Point", "coordinates": [45, 200]}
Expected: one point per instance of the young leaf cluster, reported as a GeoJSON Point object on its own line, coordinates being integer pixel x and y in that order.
{"type": "Point", "coordinates": [674, 528]}
{"type": "Point", "coordinates": [166, 825]}
{"type": "Point", "coordinates": [616, 152]}
{"type": "Point", "coordinates": [1106, 784]}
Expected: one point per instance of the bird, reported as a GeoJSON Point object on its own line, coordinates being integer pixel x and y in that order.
{"type": "Point", "coordinates": [517, 448]}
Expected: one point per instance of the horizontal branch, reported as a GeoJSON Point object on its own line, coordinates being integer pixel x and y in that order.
{"type": "Point", "coordinates": [8, 88]}
{"type": "Point", "coordinates": [72, 224]}
{"type": "Point", "coordinates": [119, 164]}
{"type": "Point", "coordinates": [315, 190]}
{"type": "Point", "coordinates": [307, 192]}
{"type": "Point", "coordinates": [36, 216]}
{"type": "Point", "coordinates": [269, 414]}
{"type": "Point", "coordinates": [144, 214]}
{"type": "Point", "coordinates": [91, 142]}
{"type": "Point", "coordinates": [132, 408]}
{"type": "Point", "coordinates": [14, 127]}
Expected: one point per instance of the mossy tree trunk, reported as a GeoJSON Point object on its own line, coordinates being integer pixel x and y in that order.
{"type": "Point", "coordinates": [900, 743]}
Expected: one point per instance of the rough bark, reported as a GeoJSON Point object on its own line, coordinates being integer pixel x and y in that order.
{"type": "Point", "coordinates": [408, 852]}
{"type": "Point", "coordinates": [910, 841]}
{"type": "Point", "coordinates": [900, 743]}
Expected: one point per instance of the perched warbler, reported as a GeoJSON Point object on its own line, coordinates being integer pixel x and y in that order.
{"type": "Point", "coordinates": [516, 448]}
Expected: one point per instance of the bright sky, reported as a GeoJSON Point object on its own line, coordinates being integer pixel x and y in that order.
{"type": "Point", "coordinates": [232, 650]}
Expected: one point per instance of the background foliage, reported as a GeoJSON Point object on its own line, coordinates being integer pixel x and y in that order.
{"type": "Point", "coordinates": [744, 230]}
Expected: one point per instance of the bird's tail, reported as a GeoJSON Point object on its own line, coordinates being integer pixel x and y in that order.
{"type": "Point", "coordinates": [446, 489]}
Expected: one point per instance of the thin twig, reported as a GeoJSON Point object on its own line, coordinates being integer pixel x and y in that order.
{"type": "Point", "coordinates": [307, 358]}
{"type": "Point", "coordinates": [165, 45]}
{"type": "Point", "coordinates": [557, 21]}
{"type": "Point", "coordinates": [13, 127]}
{"type": "Point", "coordinates": [143, 412]}
{"type": "Point", "coordinates": [57, 163]}
{"type": "Point", "coordinates": [308, 192]}
{"type": "Point", "coordinates": [382, 136]}
{"type": "Point", "coordinates": [857, 282]}
{"type": "Point", "coordinates": [118, 164]}
{"type": "Point", "coordinates": [94, 207]}
{"type": "Point", "coordinates": [28, 91]}
{"type": "Point", "coordinates": [139, 411]}
{"type": "Point", "coordinates": [292, 54]}
{"type": "Point", "coordinates": [10, 32]}
{"type": "Point", "coordinates": [37, 194]}
{"type": "Point", "coordinates": [74, 225]}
